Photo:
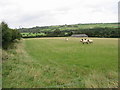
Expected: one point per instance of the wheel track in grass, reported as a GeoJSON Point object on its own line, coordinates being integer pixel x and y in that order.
{"type": "Point", "coordinates": [74, 81]}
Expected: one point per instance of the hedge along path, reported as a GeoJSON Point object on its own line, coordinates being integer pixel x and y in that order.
{"type": "Point", "coordinates": [44, 38]}
{"type": "Point", "coordinates": [69, 38]}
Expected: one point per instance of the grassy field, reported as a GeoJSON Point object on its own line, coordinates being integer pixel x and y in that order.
{"type": "Point", "coordinates": [32, 34]}
{"type": "Point", "coordinates": [54, 62]}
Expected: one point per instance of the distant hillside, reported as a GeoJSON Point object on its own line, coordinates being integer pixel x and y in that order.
{"type": "Point", "coordinates": [92, 30]}
{"type": "Point", "coordinates": [69, 27]}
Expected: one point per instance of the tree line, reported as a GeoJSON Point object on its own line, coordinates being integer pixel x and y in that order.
{"type": "Point", "coordinates": [8, 35]}
{"type": "Point", "coordinates": [106, 32]}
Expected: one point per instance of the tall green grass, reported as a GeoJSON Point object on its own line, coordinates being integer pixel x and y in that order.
{"type": "Point", "coordinates": [60, 63]}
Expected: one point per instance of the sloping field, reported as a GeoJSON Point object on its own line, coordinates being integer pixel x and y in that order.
{"type": "Point", "coordinates": [54, 62]}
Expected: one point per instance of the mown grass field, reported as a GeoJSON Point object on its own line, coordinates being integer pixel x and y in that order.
{"type": "Point", "coordinates": [54, 62]}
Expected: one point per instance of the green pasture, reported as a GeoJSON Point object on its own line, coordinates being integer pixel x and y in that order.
{"type": "Point", "coordinates": [54, 62]}
{"type": "Point", "coordinates": [32, 34]}
{"type": "Point", "coordinates": [73, 52]}
{"type": "Point", "coordinates": [98, 25]}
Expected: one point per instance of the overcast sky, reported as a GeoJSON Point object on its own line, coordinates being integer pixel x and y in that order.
{"type": "Point", "coordinates": [30, 13]}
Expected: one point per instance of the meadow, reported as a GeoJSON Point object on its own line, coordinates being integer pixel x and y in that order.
{"type": "Point", "coordinates": [54, 62]}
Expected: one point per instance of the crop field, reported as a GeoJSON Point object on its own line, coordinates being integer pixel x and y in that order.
{"type": "Point", "coordinates": [56, 63]}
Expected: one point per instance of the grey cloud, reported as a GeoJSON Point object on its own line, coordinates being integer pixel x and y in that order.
{"type": "Point", "coordinates": [63, 9]}
{"type": "Point", "coordinates": [42, 17]}
{"type": "Point", "coordinates": [103, 7]}
{"type": "Point", "coordinates": [35, 16]}
{"type": "Point", "coordinates": [16, 15]}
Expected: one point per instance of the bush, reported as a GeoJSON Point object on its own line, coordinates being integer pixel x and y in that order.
{"type": "Point", "coordinates": [8, 35]}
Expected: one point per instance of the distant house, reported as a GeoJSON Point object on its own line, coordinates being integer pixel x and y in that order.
{"type": "Point", "coordinates": [79, 35]}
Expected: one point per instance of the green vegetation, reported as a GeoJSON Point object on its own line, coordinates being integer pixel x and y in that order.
{"type": "Point", "coordinates": [58, 63]}
{"type": "Point", "coordinates": [92, 30]}
{"type": "Point", "coordinates": [33, 34]}
{"type": "Point", "coordinates": [8, 35]}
